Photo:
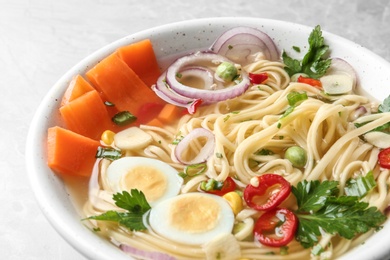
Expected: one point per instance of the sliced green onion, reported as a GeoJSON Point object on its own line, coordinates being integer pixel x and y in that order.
{"type": "Point", "coordinates": [195, 169]}
{"type": "Point", "coordinates": [360, 186]}
{"type": "Point", "coordinates": [183, 175]}
{"type": "Point", "coordinates": [108, 153]}
{"type": "Point", "coordinates": [238, 227]}
{"type": "Point", "coordinates": [288, 111]}
{"type": "Point", "coordinates": [211, 184]}
{"type": "Point", "coordinates": [294, 97]}
{"type": "Point", "coordinates": [124, 118]}
{"type": "Point", "coordinates": [177, 140]}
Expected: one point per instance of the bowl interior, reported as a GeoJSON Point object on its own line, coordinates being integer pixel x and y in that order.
{"type": "Point", "coordinates": [168, 41]}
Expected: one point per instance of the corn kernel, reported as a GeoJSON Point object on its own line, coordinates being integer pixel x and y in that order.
{"type": "Point", "coordinates": [234, 200]}
{"type": "Point", "coordinates": [108, 137]}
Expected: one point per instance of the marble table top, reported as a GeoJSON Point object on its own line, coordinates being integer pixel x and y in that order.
{"type": "Point", "coordinates": [41, 39]}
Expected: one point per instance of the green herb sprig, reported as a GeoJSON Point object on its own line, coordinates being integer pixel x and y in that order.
{"type": "Point", "coordinates": [320, 208]}
{"type": "Point", "coordinates": [135, 205]}
{"type": "Point", "coordinates": [314, 63]}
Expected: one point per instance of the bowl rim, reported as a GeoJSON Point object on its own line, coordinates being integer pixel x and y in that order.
{"type": "Point", "coordinates": [82, 239]}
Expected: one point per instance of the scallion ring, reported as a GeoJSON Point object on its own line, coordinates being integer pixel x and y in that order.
{"type": "Point", "coordinates": [294, 97]}
{"type": "Point", "coordinates": [124, 118]}
{"type": "Point", "coordinates": [195, 169]}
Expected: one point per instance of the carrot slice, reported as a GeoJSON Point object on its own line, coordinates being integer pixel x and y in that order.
{"type": "Point", "coordinates": [70, 153]}
{"type": "Point", "coordinates": [140, 57]}
{"type": "Point", "coordinates": [121, 85]}
{"type": "Point", "coordinates": [77, 87]}
{"type": "Point", "coordinates": [87, 115]}
{"type": "Point", "coordinates": [155, 122]}
{"type": "Point", "coordinates": [169, 113]}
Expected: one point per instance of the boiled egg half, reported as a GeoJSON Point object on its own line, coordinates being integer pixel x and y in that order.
{"type": "Point", "coordinates": [156, 179]}
{"type": "Point", "coordinates": [192, 218]}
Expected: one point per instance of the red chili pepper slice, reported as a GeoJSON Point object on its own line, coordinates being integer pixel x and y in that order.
{"type": "Point", "coordinates": [312, 82]}
{"type": "Point", "coordinates": [272, 190]}
{"type": "Point", "coordinates": [384, 158]}
{"type": "Point", "coordinates": [211, 186]}
{"type": "Point", "coordinates": [149, 111]}
{"type": "Point", "coordinates": [258, 78]}
{"type": "Point", "coordinates": [276, 228]}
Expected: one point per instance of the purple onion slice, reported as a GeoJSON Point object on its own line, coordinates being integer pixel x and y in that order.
{"type": "Point", "coordinates": [242, 44]}
{"type": "Point", "coordinates": [205, 152]}
{"type": "Point", "coordinates": [208, 94]}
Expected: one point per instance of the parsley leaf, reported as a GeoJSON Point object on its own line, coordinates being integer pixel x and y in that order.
{"type": "Point", "coordinates": [293, 66]}
{"type": "Point", "coordinates": [132, 221]}
{"type": "Point", "coordinates": [385, 106]}
{"type": "Point", "coordinates": [134, 201]}
{"type": "Point", "coordinates": [136, 205]}
{"type": "Point", "coordinates": [320, 209]}
{"type": "Point", "coordinates": [314, 63]}
{"type": "Point", "coordinates": [312, 196]}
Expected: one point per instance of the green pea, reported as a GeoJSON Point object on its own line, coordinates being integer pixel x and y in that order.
{"type": "Point", "coordinates": [296, 155]}
{"type": "Point", "coordinates": [226, 71]}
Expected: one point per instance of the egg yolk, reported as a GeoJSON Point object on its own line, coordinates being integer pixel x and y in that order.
{"type": "Point", "coordinates": [195, 214]}
{"type": "Point", "coordinates": [150, 180]}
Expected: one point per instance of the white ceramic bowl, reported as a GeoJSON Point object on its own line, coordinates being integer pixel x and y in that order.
{"type": "Point", "coordinates": [52, 195]}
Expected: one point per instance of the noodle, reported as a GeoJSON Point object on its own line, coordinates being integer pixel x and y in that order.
{"type": "Point", "coordinates": [321, 125]}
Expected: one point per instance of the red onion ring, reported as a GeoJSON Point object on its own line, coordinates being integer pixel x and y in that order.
{"type": "Point", "coordinates": [206, 95]}
{"type": "Point", "coordinates": [203, 154]}
{"type": "Point", "coordinates": [199, 72]}
{"type": "Point", "coordinates": [245, 41]}
{"type": "Point", "coordinates": [162, 90]}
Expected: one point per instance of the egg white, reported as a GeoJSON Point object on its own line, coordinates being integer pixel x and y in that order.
{"type": "Point", "coordinates": [161, 222]}
{"type": "Point", "coordinates": [120, 168]}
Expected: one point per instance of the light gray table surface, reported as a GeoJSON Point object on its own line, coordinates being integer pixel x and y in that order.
{"type": "Point", "coordinates": [41, 39]}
